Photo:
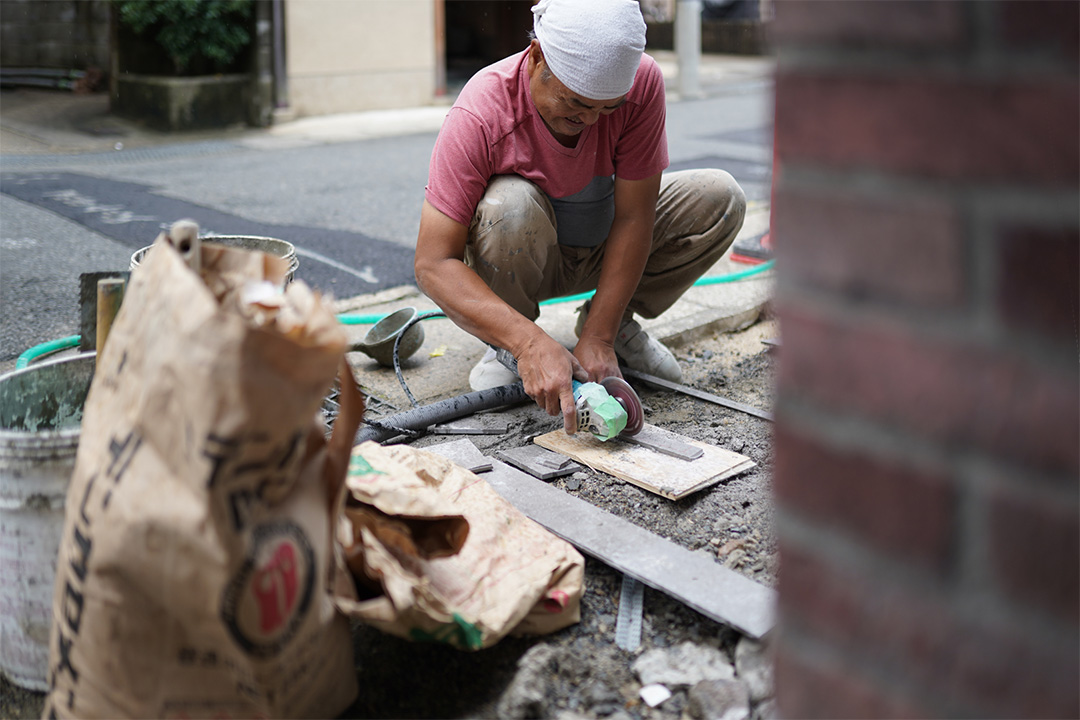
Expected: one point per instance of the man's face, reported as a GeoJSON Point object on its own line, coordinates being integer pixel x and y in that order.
{"type": "Point", "coordinates": [564, 112]}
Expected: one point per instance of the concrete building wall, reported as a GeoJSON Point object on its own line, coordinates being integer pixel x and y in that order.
{"type": "Point", "coordinates": [61, 34]}
{"type": "Point", "coordinates": [355, 55]}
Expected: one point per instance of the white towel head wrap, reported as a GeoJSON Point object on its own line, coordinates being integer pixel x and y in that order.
{"type": "Point", "coordinates": [592, 46]}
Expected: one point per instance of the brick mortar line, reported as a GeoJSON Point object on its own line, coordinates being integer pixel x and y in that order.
{"type": "Point", "coordinates": [1023, 199]}
{"type": "Point", "coordinates": [879, 674]}
{"type": "Point", "coordinates": [854, 432]}
{"type": "Point", "coordinates": [971, 326]}
{"type": "Point", "coordinates": [1000, 64]}
{"type": "Point", "coordinates": [982, 605]}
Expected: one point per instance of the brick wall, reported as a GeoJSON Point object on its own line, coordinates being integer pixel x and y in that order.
{"type": "Point", "coordinates": [927, 225]}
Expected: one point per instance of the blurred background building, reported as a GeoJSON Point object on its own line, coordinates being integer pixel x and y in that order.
{"type": "Point", "coordinates": [320, 57]}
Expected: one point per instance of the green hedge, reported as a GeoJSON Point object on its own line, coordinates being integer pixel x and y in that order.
{"type": "Point", "coordinates": [196, 34]}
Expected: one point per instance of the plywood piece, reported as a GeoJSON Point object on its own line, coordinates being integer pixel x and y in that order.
{"type": "Point", "coordinates": [693, 578]}
{"type": "Point", "coordinates": [648, 469]}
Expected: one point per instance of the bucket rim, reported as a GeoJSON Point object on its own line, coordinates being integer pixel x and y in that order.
{"type": "Point", "coordinates": [48, 362]}
{"type": "Point", "coordinates": [215, 238]}
{"type": "Point", "coordinates": [290, 255]}
{"type": "Point", "coordinates": [392, 320]}
{"type": "Point", "coordinates": [58, 435]}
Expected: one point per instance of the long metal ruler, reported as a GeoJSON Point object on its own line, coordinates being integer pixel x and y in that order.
{"type": "Point", "coordinates": [694, 392]}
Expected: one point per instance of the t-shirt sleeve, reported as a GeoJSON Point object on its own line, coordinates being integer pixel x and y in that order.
{"type": "Point", "coordinates": [641, 150]}
{"type": "Point", "coordinates": [460, 166]}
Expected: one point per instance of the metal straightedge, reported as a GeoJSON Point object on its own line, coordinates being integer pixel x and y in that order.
{"type": "Point", "coordinates": [661, 444]}
{"type": "Point", "coordinates": [628, 622]}
{"type": "Point", "coordinates": [699, 394]}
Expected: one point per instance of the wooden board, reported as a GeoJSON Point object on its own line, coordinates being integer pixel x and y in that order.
{"type": "Point", "coordinates": [648, 469]}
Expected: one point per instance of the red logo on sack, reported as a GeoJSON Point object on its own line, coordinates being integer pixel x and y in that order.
{"type": "Point", "coordinates": [269, 595]}
{"type": "Point", "coordinates": [275, 588]}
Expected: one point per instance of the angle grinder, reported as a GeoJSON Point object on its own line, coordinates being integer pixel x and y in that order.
{"type": "Point", "coordinates": [608, 409]}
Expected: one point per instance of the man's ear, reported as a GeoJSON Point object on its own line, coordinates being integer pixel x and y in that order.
{"type": "Point", "coordinates": [536, 55]}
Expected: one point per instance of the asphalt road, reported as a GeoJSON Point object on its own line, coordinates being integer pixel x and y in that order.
{"type": "Point", "coordinates": [351, 207]}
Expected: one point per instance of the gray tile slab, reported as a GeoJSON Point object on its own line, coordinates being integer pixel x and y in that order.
{"type": "Point", "coordinates": [700, 582]}
{"type": "Point", "coordinates": [539, 462]}
{"type": "Point", "coordinates": [464, 453]}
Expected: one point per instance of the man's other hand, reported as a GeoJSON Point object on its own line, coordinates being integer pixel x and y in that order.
{"type": "Point", "coordinates": [546, 369]}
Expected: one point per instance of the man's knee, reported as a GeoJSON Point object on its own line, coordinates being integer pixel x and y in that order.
{"type": "Point", "coordinates": [725, 187]}
{"type": "Point", "coordinates": [717, 189]}
{"type": "Point", "coordinates": [510, 206]}
{"type": "Point", "coordinates": [702, 202]}
{"type": "Point", "coordinates": [512, 239]}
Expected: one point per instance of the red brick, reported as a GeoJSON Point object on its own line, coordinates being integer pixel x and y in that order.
{"type": "Point", "coordinates": [950, 392]}
{"type": "Point", "coordinates": [1035, 551]}
{"type": "Point", "coordinates": [906, 249]}
{"type": "Point", "coordinates": [817, 688]}
{"type": "Point", "coordinates": [961, 665]}
{"type": "Point", "coordinates": [1038, 282]}
{"type": "Point", "coordinates": [1045, 27]}
{"type": "Point", "coordinates": [886, 503]}
{"type": "Point", "coordinates": [939, 127]}
{"type": "Point", "coordinates": [908, 24]}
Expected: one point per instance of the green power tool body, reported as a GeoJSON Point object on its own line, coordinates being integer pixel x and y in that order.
{"type": "Point", "coordinates": [608, 408]}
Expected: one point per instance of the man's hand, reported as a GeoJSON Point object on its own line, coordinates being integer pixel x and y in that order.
{"type": "Point", "coordinates": [546, 369]}
{"type": "Point", "coordinates": [597, 357]}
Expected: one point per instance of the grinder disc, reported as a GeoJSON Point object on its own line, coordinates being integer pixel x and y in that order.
{"type": "Point", "coordinates": [625, 395]}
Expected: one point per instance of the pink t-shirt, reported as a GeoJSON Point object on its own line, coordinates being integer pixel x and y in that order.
{"type": "Point", "coordinates": [495, 129]}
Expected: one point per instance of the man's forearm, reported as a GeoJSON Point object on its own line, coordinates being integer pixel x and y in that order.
{"type": "Point", "coordinates": [473, 306]}
{"type": "Point", "coordinates": [625, 255]}
{"type": "Point", "coordinates": [626, 252]}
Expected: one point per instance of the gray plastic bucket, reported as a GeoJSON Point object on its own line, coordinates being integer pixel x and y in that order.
{"type": "Point", "coordinates": [268, 245]}
{"type": "Point", "coordinates": [40, 417]}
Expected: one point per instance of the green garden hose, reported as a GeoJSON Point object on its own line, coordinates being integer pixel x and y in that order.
{"type": "Point", "coordinates": [39, 351]}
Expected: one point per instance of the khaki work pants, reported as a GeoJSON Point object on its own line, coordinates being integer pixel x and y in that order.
{"type": "Point", "coordinates": [513, 246]}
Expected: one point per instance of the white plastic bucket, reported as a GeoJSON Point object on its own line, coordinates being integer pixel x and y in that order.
{"type": "Point", "coordinates": [40, 417]}
{"type": "Point", "coordinates": [270, 246]}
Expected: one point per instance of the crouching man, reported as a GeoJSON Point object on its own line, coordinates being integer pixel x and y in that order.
{"type": "Point", "coordinates": [547, 180]}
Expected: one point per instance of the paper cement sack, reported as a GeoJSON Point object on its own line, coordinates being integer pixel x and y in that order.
{"type": "Point", "coordinates": [194, 567]}
{"type": "Point", "coordinates": [435, 553]}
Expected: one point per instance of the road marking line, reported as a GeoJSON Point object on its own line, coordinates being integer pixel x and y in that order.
{"type": "Point", "coordinates": [366, 274]}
